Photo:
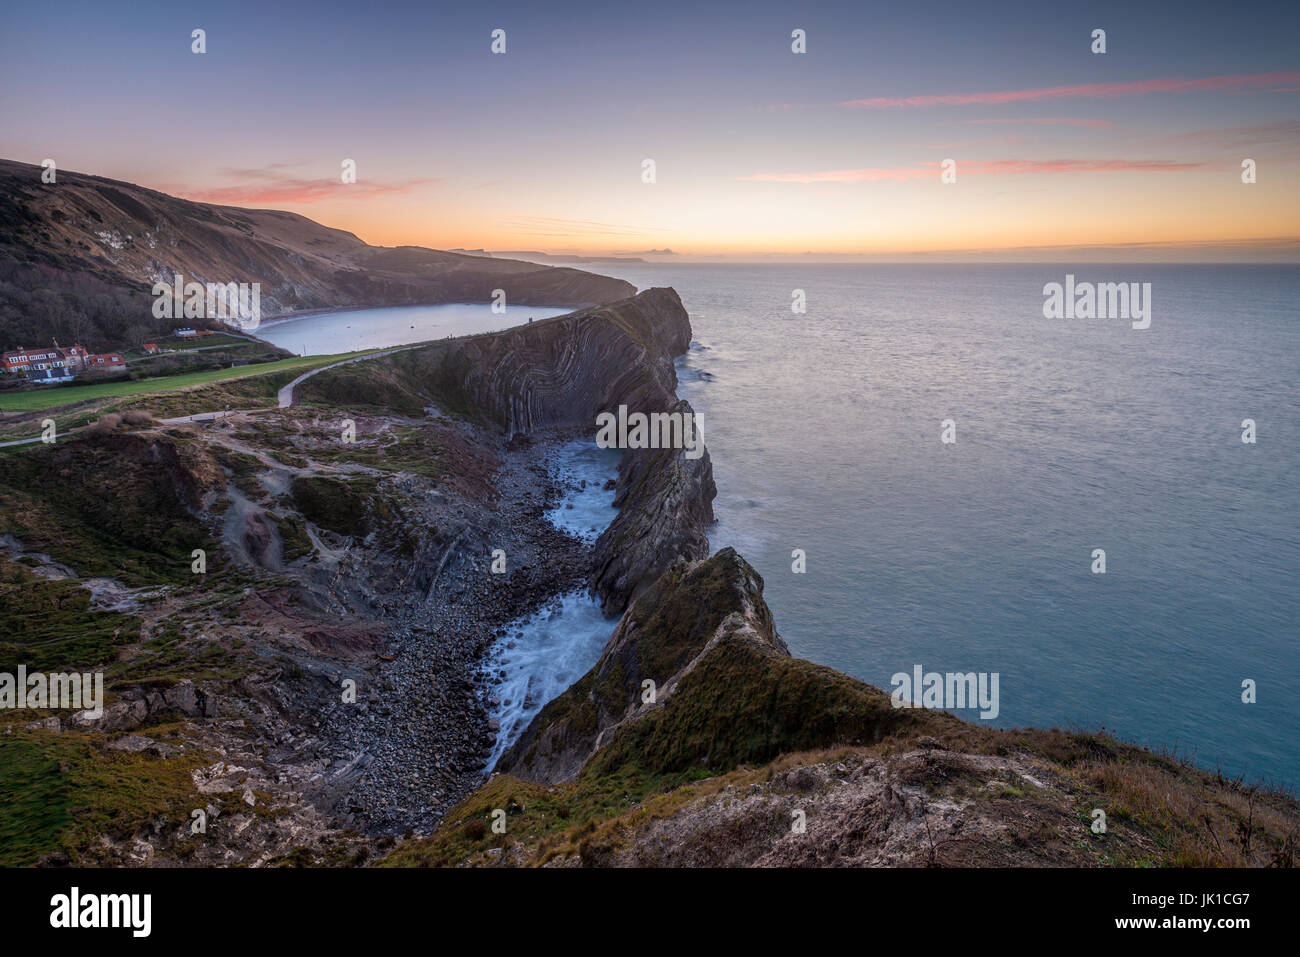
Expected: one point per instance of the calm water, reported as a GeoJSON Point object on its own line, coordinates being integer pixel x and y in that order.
{"type": "Point", "coordinates": [824, 431]}
{"type": "Point", "coordinates": [1072, 435]}
{"type": "Point", "coordinates": [335, 332]}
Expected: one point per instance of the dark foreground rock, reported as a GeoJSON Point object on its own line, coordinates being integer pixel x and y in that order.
{"type": "Point", "coordinates": [745, 756]}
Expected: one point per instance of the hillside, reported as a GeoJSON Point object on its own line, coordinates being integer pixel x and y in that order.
{"type": "Point", "coordinates": [78, 259]}
{"type": "Point", "coordinates": [696, 739]}
{"type": "Point", "coordinates": [747, 756]}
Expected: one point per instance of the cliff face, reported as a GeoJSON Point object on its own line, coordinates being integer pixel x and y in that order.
{"type": "Point", "coordinates": [746, 756]}
{"type": "Point", "coordinates": [105, 237]}
{"type": "Point", "coordinates": [665, 502]}
{"type": "Point", "coordinates": [563, 372]}
{"type": "Point", "coordinates": [725, 689]}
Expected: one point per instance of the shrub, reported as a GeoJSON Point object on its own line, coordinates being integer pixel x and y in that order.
{"type": "Point", "coordinates": [106, 423]}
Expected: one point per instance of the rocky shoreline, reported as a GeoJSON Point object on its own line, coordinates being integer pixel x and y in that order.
{"type": "Point", "coordinates": [415, 744]}
{"type": "Point", "coordinates": [367, 563]}
{"type": "Point", "coordinates": [321, 693]}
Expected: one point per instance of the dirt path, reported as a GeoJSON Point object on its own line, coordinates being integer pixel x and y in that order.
{"type": "Point", "coordinates": [285, 396]}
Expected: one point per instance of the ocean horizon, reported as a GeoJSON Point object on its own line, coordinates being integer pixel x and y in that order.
{"type": "Point", "coordinates": [1071, 435]}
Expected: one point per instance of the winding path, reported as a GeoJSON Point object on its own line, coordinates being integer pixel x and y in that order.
{"type": "Point", "coordinates": [284, 397]}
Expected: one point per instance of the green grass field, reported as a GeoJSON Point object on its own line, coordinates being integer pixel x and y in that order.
{"type": "Point", "coordinates": [171, 347]}
{"type": "Point", "coordinates": [53, 398]}
{"type": "Point", "coordinates": [203, 342]}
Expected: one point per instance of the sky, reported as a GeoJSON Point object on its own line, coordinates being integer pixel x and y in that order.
{"type": "Point", "coordinates": [759, 153]}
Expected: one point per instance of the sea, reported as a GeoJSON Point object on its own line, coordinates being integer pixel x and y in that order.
{"type": "Point", "coordinates": [884, 547]}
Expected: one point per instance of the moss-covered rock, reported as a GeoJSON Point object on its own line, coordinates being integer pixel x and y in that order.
{"type": "Point", "coordinates": [331, 503]}
{"type": "Point", "coordinates": [726, 690]}
{"type": "Point", "coordinates": [123, 505]}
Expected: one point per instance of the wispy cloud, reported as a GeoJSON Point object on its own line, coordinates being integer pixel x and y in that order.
{"type": "Point", "coordinates": [1015, 167]}
{"type": "Point", "coordinates": [1239, 83]}
{"type": "Point", "coordinates": [1014, 139]}
{"type": "Point", "coordinates": [269, 185]}
{"type": "Point", "coordinates": [1002, 167]}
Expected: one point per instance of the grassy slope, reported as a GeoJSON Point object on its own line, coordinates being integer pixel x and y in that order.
{"type": "Point", "coordinates": [52, 500]}
{"type": "Point", "coordinates": [66, 792]}
{"type": "Point", "coordinates": [747, 713]}
{"type": "Point", "coordinates": [36, 401]}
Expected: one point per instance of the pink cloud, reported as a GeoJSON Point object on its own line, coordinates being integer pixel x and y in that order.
{"type": "Point", "coordinates": [269, 186]}
{"type": "Point", "coordinates": [1252, 82]}
{"type": "Point", "coordinates": [1004, 167]}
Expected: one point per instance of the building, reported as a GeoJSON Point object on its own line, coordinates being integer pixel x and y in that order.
{"type": "Point", "coordinates": [186, 333]}
{"type": "Point", "coordinates": [50, 376]}
{"type": "Point", "coordinates": [18, 361]}
{"type": "Point", "coordinates": [28, 360]}
{"type": "Point", "coordinates": [109, 360]}
{"type": "Point", "coordinates": [74, 356]}
{"type": "Point", "coordinates": [62, 363]}
{"type": "Point", "coordinates": [150, 348]}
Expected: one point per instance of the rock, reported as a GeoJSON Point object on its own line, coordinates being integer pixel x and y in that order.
{"type": "Point", "coordinates": [258, 539]}
{"type": "Point", "coordinates": [182, 697]}
{"type": "Point", "coordinates": [665, 503]}
{"type": "Point", "coordinates": [724, 594]}
{"type": "Point", "coordinates": [118, 716]}
{"type": "Point", "coordinates": [564, 372]}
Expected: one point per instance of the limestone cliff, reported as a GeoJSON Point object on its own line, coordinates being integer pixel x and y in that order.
{"type": "Point", "coordinates": [665, 503]}
{"type": "Point", "coordinates": [563, 372]}
{"type": "Point", "coordinates": [746, 756]}
{"type": "Point", "coordinates": [725, 688]}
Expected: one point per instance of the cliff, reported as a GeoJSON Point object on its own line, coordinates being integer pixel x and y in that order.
{"type": "Point", "coordinates": [563, 372]}
{"type": "Point", "coordinates": [560, 373]}
{"type": "Point", "coordinates": [746, 756]}
{"type": "Point", "coordinates": [665, 502]}
{"type": "Point", "coordinates": [725, 689]}
{"type": "Point", "coordinates": [108, 241]}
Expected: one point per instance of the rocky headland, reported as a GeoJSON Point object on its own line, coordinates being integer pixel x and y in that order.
{"type": "Point", "coordinates": [316, 686]}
